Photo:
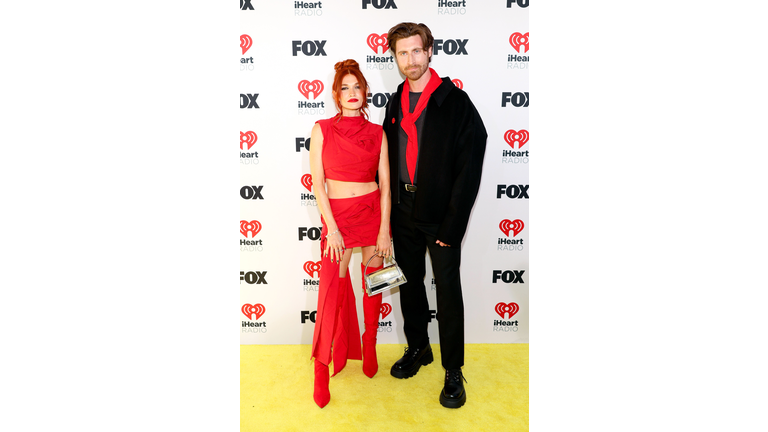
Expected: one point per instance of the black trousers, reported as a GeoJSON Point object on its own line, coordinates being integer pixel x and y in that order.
{"type": "Point", "coordinates": [411, 241]}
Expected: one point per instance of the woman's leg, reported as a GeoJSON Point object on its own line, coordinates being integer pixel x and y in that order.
{"type": "Point", "coordinates": [371, 311]}
{"type": "Point", "coordinates": [344, 263]}
{"type": "Point", "coordinates": [346, 338]}
{"type": "Point", "coordinates": [330, 302]}
{"type": "Point", "coordinates": [326, 323]}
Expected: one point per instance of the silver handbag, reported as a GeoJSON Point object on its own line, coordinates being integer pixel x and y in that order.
{"type": "Point", "coordinates": [384, 279]}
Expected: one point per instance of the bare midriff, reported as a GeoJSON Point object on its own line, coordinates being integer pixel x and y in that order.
{"type": "Point", "coordinates": [338, 189]}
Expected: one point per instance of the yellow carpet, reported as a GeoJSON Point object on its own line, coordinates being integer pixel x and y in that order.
{"type": "Point", "coordinates": [276, 383]}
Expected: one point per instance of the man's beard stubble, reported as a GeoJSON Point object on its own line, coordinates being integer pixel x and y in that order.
{"type": "Point", "coordinates": [418, 72]}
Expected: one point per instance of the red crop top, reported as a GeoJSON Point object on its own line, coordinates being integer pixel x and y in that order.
{"type": "Point", "coordinates": [351, 148]}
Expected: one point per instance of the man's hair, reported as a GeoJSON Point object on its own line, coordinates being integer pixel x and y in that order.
{"type": "Point", "coordinates": [407, 29]}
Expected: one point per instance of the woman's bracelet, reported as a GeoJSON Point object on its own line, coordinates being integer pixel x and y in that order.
{"type": "Point", "coordinates": [328, 235]}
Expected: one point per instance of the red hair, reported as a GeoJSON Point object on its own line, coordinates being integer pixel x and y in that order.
{"type": "Point", "coordinates": [344, 68]}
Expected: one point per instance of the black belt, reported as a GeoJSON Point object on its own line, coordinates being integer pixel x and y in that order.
{"type": "Point", "coordinates": [409, 187]}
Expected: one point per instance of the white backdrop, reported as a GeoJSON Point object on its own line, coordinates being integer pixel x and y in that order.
{"type": "Point", "coordinates": [286, 54]}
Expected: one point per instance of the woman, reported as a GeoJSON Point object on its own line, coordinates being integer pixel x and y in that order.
{"type": "Point", "coordinates": [347, 150]}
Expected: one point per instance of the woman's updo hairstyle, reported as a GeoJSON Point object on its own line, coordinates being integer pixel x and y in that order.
{"type": "Point", "coordinates": [350, 67]}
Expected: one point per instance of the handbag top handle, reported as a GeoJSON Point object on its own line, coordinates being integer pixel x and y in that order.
{"type": "Point", "coordinates": [365, 272]}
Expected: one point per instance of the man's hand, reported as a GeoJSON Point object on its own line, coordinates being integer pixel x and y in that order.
{"type": "Point", "coordinates": [442, 244]}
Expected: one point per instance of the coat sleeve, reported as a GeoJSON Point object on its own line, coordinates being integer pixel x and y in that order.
{"type": "Point", "coordinates": [390, 127]}
{"type": "Point", "coordinates": [467, 169]}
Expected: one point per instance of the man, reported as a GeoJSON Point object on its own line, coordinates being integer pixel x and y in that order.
{"type": "Point", "coordinates": [437, 143]}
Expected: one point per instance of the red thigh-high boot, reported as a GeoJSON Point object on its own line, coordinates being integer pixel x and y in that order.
{"type": "Point", "coordinates": [322, 394]}
{"type": "Point", "coordinates": [371, 311]}
{"type": "Point", "coordinates": [346, 336]}
{"type": "Point", "coordinates": [325, 327]}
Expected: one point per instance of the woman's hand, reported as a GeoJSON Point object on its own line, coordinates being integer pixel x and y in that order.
{"type": "Point", "coordinates": [383, 246]}
{"type": "Point", "coordinates": [334, 246]}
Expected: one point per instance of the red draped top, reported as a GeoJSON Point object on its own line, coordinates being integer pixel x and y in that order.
{"type": "Point", "coordinates": [351, 148]}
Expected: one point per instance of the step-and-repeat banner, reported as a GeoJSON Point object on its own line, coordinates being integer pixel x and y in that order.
{"type": "Point", "coordinates": [286, 54]}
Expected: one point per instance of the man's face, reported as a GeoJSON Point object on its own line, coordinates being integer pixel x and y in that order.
{"type": "Point", "coordinates": [411, 57]}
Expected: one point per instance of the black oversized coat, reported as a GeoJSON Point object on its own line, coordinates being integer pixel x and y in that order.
{"type": "Point", "coordinates": [451, 151]}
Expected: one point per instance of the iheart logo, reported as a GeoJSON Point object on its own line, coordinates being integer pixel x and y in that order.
{"type": "Point", "coordinates": [375, 41]}
{"type": "Point", "coordinates": [504, 308]}
{"type": "Point", "coordinates": [512, 136]}
{"type": "Point", "coordinates": [515, 226]}
{"type": "Point", "coordinates": [386, 308]}
{"type": "Point", "coordinates": [252, 227]}
{"type": "Point", "coordinates": [248, 138]}
{"type": "Point", "coordinates": [312, 267]}
{"type": "Point", "coordinates": [245, 42]}
{"type": "Point", "coordinates": [306, 180]}
{"type": "Point", "coordinates": [251, 310]}
{"type": "Point", "coordinates": [457, 82]}
{"type": "Point", "coordinates": [518, 40]}
{"type": "Point", "coordinates": [316, 87]}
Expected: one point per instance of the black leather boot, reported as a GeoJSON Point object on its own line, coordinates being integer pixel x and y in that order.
{"type": "Point", "coordinates": [410, 363]}
{"type": "Point", "coordinates": [453, 394]}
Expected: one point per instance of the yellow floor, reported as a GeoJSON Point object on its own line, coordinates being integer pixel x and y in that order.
{"type": "Point", "coordinates": [276, 383]}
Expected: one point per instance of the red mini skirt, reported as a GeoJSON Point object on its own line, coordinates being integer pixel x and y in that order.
{"type": "Point", "coordinates": [358, 219]}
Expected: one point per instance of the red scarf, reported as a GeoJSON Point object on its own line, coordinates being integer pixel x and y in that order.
{"type": "Point", "coordinates": [409, 120]}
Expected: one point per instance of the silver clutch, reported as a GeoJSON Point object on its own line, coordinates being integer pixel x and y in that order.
{"type": "Point", "coordinates": [384, 279]}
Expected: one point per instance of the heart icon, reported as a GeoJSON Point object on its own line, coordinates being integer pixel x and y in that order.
{"type": "Point", "coordinates": [315, 87]}
{"type": "Point", "coordinates": [512, 136]}
{"type": "Point", "coordinates": [518, 40]}
{"type": "Point", "coordinates": [311, 267]}
{"type": "Point", "coordinates": [386, 308]}
{"type": "Point", "coordinates": [252, 227]}
{"type": "Point", "coordinates": [515, 226]}
{"type": "Point", "coordinates": [254, 309]}
{"type": "Point", "coordinates": [374, 41]}
{"type": "Point", "coordinates": [504, 308]}
{"type": "Point", "coordinates": [248, 138]}
{"type": "Point", "coordinates": [245, 42]}
{"type": "Point", "coordinates": [306, 180]}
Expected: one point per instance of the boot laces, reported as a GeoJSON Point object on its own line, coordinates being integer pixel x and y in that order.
{"type": "Point", "coordinates": [455, 375]}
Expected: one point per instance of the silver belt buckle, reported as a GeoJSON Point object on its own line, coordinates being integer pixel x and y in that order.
{"type": "Point", "coordinates": [410, 188]}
